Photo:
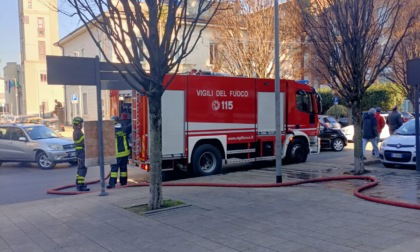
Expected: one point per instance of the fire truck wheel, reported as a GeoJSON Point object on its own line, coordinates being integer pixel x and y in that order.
{"type": "Point", "coordinates": [296, 152]}
{"type": "Point", "coordinates": [206, 160]}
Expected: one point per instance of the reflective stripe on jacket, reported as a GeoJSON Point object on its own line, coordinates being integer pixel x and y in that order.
{"type": "Point", "coordinates": [79, 139]}
{"type": "Point", "coordinates": [121, 143]}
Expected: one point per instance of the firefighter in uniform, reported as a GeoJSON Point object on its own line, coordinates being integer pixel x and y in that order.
{"type": "Point", "coordinates": [79, 142]}
{"type": "Point", "coordinates": [122, 152]}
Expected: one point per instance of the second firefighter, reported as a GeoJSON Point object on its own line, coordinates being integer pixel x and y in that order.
{"type": "Point", "coordinates": [79, 142]}
{"type": "Point", "coordinates": [122, 151]}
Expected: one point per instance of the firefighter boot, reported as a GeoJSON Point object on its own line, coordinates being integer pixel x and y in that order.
{"type": "Point", "coordinates": [82, 188]}
{"type": "Point", "coordinates": [110, 186]}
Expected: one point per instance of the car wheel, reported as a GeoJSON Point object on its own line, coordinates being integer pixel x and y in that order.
{"type": "Point", "coordinates": [73, 162]}
{"type": "Point", "coordinates": [1, 163]}
{"type": "Point", "coordinates": [206, 160]}
{"type": "Point", "coordinates": [388, 165]}
{"type": "Point", "coordinates": [337, 144]}
{"type": "Point", "coordinates": [296, 152]}
{"type": "Point", "coordinates": [44, 162]}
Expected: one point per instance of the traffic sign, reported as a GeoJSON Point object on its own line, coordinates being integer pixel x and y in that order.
{"type": "Point", "coordinates": [74, 99]}
{"type": "Point", "coordinates": [335, 100]}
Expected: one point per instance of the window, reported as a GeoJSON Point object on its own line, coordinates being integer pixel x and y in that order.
{"type": "Point", "coordinates": [85, 105]}
{"type": "Point", "coordinates": [26, 19]}
{"type": "Point", "coordinates": [43, 77]}
{"type": "Point", "coordinates": [41, 50]}
{"type": "Point", "coordinates": [82, 52]}
{"type": "Point", "coordinates": [140, 49]}
{"type": "Point", "coordinates": [41, 27]}
{"type": "Point", "coordinates": [303, 101]}
{"type": "Point", "coordinates": [29, 4]}
{"type": "Point", "coordinates": [15, 133]}
{"type": "Point", "coordinates": [3, 133]}
{"type": "Point", "coordinates": [213, 53]}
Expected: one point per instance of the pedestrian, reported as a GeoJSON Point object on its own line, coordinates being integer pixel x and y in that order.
{"type": "Point", "coordinates": [122, 152]}
{"type": "Point", "coordinates": [79, 142]}
{"type": "Point", "coordinates": [370, 132]}
{"type": "Point", "coordinates": [380, 124]}
{"type": "Point", "coordinates": [394, 120]}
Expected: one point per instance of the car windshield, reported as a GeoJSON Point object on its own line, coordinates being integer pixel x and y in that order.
{"type": "Point", "coordinates": [332, 120]}
{"type": "Point", "coordinates": [407, 128]}
{"type": "Point", "coordinates": [41, 132]}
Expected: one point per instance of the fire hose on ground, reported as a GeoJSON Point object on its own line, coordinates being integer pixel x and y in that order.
{"type": "Point", "coordinates": [357, 191]}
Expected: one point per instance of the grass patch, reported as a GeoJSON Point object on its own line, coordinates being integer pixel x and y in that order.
{"type": "Point", "coordinates": [142, 209]}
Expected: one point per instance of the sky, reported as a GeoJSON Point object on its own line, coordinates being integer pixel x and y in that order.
{"type": "Point", "coordinates": [9, 28]}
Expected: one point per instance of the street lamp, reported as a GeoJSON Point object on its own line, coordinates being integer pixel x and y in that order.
{"type": "Point", "coordinates": [277, 92]}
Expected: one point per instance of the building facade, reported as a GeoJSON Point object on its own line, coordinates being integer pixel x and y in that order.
{"type": "Point", "coordinates": [80, 44]}
{"type": "Point", "coordinates": [2, 96]}
{"type": "Point", "coordinates": [13, 99]}
{"type": "Point", "coordinates": [38, 24]}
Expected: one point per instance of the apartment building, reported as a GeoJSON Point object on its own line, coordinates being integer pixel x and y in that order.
{"type": "Point", "coordinates": [12, 96]}
{"type": "Point", "coordinates": [2, 96]}
{"type": "Point", "coordinates": [79, 44]}
{"type": "Point", "coordinates": [38, 23]}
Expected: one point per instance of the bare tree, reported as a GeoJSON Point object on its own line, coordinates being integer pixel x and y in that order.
{"type": "Point", "coordinates": [354, 41]}
{"type": "Point", "coordinates": [244, 35]}
{"type": "Point", "coordinates": [169, 29]}
{"type": "Point", "coordinates": [408, 49]}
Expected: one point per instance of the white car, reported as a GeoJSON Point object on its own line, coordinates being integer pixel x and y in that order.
{"type": "Point", "coordinates": [348, 131]}
{"type": "Point", "coordinates": [400, 148]}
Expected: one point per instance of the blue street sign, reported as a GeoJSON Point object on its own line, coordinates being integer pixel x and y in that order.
{"type": "Point", "coordinates": [74, 99]}
{"type": "Point", "coordinates": [335, 100]}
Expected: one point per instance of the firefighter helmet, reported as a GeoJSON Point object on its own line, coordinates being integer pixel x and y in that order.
{"type": "Point", "coordinates": [77, 120]}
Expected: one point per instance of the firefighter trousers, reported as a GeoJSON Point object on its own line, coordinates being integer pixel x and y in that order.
{"type": "Point", "coordinates": [81, 168]}
{"type": "Point", "coordinates": [122, 166]}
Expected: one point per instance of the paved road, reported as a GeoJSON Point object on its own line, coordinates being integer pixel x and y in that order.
{"type": "Point", "coordinates": [20, 182]}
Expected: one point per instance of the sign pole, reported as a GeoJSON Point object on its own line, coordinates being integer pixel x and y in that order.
{"type": "Point", "coordinates": [279, 178]}
{"type": "Point", "coordinates": [100, 133]}
{"type": "Point", "coordinates": [417, 126]}
{"type": "Point", "coordinates": [413, 79]}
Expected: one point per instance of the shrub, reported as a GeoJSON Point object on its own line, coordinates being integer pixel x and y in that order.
{"type": "Point", "coordinates": [384, 95]}
{"type": "Point", "coordinates": [337, 111]}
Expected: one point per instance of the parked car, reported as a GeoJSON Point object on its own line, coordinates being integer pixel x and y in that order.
{"type": "Point", "coordinates": [35, 143]}
{"type": "Point", "coordinates": [329, 121]}
{"type": "Point", "coordinates": [343, 121]}
{"type": "Point", "coordinates": [3, 118]}
{"type": "Point", "coordinates": [400, 148]}
{"type": "Point", "coordinates": [31, 119]}
{"type": "Point", "coordinates": [13, 119]}
{"type": "Point", "coordinates": [406, 116]}
{"type": "Point", "coordinates": [54, 124]}
{"type": "Point", "coordinates": [332, 138]}
{"type": "Point", "coordinates": [348, 131]}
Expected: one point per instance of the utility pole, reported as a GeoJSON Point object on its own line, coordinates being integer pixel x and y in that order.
{"type": "Point", "coordinates": [277, 92]}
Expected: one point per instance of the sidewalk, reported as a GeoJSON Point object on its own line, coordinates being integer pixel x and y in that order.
{"type": "Point", "coordinates": [309, 217]}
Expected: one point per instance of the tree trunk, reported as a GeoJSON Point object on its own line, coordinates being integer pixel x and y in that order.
{"type": "Point", "coordinates": [155, 138]}
{"type": "Point", "coordinates": [357, 138]}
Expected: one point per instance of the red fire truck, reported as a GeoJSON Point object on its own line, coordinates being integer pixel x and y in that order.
{"type": "Point", "coordinates": [210, 120]}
